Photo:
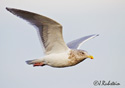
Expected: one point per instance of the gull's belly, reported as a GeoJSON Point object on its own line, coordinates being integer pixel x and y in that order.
{"type": "Point", "coordinates": [57, 60]}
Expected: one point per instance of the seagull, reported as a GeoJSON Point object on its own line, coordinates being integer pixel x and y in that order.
{"type": "Point", "coordinates": [57, 52]}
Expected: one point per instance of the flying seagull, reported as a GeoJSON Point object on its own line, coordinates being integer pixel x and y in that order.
{"type": "Point", "coordinates": [57, 53]}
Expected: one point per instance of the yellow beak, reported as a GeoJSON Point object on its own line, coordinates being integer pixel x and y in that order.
{"type": "Point", "coordinates": [91, 57]}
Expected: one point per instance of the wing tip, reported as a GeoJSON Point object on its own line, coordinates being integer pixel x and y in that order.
{"type": "Point", "coordinates": [10, 9]}
{"type": "Point", "coordinates": [7, 8]}
{"type": "Point", "coordinates": [95, 34]}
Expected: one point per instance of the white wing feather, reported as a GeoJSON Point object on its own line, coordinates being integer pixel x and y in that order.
{"type": "Point", "coordinates": [76, 44]}
{"type": "Point", "coordinates": [49, 30]}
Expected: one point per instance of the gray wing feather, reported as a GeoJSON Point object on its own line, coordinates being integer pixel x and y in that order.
{"type": "Point", "coordinates": [50, 32]}
{"type": "Point", "coordinates": [75, 44]}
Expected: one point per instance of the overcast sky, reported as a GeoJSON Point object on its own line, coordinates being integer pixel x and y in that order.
{"type": "Point", "coordinates": [19, 42]}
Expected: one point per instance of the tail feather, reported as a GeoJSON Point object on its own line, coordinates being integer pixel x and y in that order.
{"type": "Point", "coordinates": [29, 62]}
{"type": "Point", "coordinates": [33, 61]}
{"type": "Point", "coordinates": [36, 62]}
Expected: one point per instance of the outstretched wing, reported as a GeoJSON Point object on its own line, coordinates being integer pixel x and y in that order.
{"type": "Point", "coordinates": [75, 44]}
{"type": "Point", "coordinates": [50, 32]}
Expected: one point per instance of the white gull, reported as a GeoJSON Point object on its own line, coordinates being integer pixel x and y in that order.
{"type": "Point", "coordinates": [57, 53]}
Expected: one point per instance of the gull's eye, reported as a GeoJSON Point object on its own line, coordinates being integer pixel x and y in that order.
{"type": "Point", "coordinates": [83, 53]}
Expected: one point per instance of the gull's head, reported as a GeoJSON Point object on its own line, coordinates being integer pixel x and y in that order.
{"type": "Point", "coordinates": [84, 54]}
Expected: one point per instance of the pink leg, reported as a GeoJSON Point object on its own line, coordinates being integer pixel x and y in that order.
{"type": "Point", "coordinates": [39, 64]}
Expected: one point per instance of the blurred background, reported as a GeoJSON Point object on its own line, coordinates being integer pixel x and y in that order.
{"type": "Point", "coordinates": [19, 42]}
